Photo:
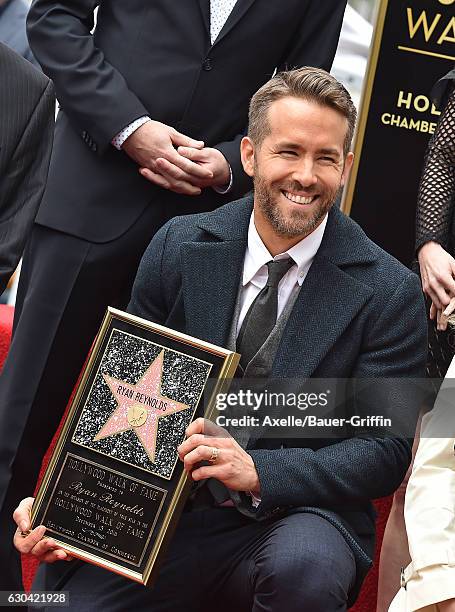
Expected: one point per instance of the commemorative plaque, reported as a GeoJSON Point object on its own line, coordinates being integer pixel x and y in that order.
{"type": "Point", "coordinates": [114, 488]}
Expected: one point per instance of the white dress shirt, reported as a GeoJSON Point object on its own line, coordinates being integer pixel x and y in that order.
{"type": "Point", "coordinates": [219, 13]}
{"type": "Point", "coordinates": [255, 271]}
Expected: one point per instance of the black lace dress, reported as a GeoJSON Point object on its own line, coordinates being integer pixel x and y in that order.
{"type": "Point", "coordinates": [435, 210]}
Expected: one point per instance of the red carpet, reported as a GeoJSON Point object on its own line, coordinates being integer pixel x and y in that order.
{"type": "Point", "coordinates": [367, 599]}
{"type": "Point", "coordinates": [6, 325]}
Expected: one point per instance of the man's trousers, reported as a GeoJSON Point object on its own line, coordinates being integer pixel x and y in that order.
{"type": "Point", "coordinates": [222, 561]}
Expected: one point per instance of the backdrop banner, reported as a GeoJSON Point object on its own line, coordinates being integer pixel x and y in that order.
{"type": "Point", "coordinates": [413, 46]}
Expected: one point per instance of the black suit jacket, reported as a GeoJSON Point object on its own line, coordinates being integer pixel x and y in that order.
{"type": "Point", "coordinates": [155, 58]}
{"type": "Point", "coordinates": [27, 107]}
{"type": "Point", "coordinates": [359, 314]}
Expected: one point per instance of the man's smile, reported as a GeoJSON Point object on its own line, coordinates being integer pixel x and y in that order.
{"type": "Point", "coordinates": [298, 199]}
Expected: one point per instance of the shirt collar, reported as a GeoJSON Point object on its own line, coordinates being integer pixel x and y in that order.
{"type": "Point", "coordinates": [303, 253]}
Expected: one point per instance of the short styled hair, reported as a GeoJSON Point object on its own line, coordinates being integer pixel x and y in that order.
{"type": "Point", "coordinates": [312, 84]}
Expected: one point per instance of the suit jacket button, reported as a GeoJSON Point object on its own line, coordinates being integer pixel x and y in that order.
{"type": "Point", "coordinates": [94, 147]}
{"type": "Point", "coordinates": [207, 65]}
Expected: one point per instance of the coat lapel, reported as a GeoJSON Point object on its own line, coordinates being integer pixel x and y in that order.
{"type": "Point", "coordinates": [211, 277]}
{"type": "Point", "coordinates": [212, 272]}
{"type": "Point", "coordinates": [237, 13]}
{"type": "Point", "coordinates": [329, 300]}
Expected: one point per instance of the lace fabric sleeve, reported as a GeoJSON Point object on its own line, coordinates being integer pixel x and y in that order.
{"type": "Point", "coordinates": [437, 186]}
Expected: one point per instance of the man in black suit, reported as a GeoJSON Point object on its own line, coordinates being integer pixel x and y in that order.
{"type": "Point", "coordinates": [168, 82]}
{"type": "Point", "coordinates": [299, 531]}
{"type": "Point", "coordinates": [26, 127]}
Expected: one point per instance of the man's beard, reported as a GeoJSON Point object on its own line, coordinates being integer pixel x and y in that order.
{"type": "Point", "coordinates": [294, 223]}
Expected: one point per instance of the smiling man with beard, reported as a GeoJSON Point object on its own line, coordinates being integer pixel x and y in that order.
{"type": "Point", "coordinates": [298, 154]}
{"type": "Point", "coordinates": [299, 290]}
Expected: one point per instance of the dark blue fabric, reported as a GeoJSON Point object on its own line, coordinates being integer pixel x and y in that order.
{"type": "Point", "coordinates": [221, 561]}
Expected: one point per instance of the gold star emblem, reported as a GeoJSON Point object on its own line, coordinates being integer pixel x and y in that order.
{"type": "Point", "coordinates": [139, 407]}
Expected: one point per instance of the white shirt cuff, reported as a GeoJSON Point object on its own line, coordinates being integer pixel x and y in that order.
{"type": "Point", "coordinates": [255, 501]}
{"type": "Point", "coordinates": [120, 138]}
{"type": "Point", "coordinates": [223, 190]}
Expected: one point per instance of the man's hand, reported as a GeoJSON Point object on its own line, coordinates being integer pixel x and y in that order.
{"type": "Point", "coordinates": [213, 160]}
{"type": "Point", "coordinates": [45, 549]}
{"type": "Point", "coordinates": [437, 269]}
{"type": "Point", "coordinates": [154, 141]}
{"type": "Point", "coordinates": [233, 467]}
{"type": "Point", "coordinates": [172, 176]}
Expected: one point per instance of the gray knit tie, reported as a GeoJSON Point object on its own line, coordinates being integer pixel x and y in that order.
{"type": "Point", "coordinates": [261, 317]}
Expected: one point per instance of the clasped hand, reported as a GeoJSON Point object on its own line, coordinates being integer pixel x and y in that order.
{"type": "Point", "coordinates": [174, 161]}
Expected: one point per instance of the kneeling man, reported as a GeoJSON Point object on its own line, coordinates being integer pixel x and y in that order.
{"type": "Point", "coordinates": [299, 290]}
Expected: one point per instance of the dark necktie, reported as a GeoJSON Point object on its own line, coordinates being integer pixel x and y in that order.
{"type": "Point", "coordinates": [262, 314]}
